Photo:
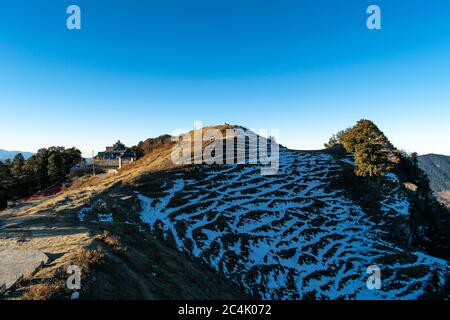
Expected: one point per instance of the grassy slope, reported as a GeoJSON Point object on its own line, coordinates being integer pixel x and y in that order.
{"type": "Point", "coordinates": [141, 267]}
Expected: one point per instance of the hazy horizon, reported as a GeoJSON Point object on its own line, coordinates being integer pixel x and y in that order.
{"type": "Point", "coordinates": [140, 70]}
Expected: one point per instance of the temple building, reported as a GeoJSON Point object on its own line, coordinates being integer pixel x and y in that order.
{"type": "Point", "coordinates": [117, 151]}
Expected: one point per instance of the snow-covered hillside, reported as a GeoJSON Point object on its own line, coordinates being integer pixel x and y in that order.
{"type": "Point", "coordinates": [290, 235]}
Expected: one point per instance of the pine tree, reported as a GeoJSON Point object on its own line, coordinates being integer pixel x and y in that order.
{"type": "Point", "coordinates": [332, 142]}
{"type": "Point", "coordinates": [41, 167]}
{"type": "Point", "coordinates": [71, 157]}
{"type": "Point", "coordinates": [46, 167]}
{"type": "Point", "coordinates": [363, 131]}
{"type": "Point", "coordinates": [371, 147]}
{"type": "Point", "coordinates": [17, 166]}
{"type": "Point", "coordinates": [55, 167]}
{"type": "Point", "coordinates": [5, 179]}
{"type": "Point", "coordinates": [336, 138]}
{"type": "Point", "coordinates": [30, 176]}
{"type": "Point", "coordinates": [371, 159]}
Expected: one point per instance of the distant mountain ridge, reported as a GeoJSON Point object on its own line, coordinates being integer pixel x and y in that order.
{"type": "Point", "coordinates": [5, 154]}
{"type": "Point", "coordinates": [437, 167]}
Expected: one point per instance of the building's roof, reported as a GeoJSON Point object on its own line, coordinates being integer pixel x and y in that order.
{"type": "Point", "coordinates": [117, 148]}
{"type": "Point", "coordinates": [115, 151]}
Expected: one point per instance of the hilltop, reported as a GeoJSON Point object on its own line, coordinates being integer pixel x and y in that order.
{"type": "Point", "coordinates": [159, 230]}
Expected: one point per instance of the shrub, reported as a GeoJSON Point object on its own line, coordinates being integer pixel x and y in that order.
{"type": "Point", "coordinates": [88, 259]}
{"type": "Point", "coordinates": [113, 241]}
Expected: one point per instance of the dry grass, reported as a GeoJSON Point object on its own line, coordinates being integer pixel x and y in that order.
{"type": "Point", "coordinates": [54, 287]}
{"type": "Point", "coordinates": [113, 241]}
{"type": "Point", "coordinates": [49, 289]}
{"type": "Point", "coordinates": [89, 259]}
{"type": "Point", "coordinates": [43, 291]}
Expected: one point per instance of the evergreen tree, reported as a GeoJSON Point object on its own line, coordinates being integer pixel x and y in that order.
{"type": "Point", "coordinates": [363, 131]}
{"type": "Point", "coordinates": [41, 168]}
{"type": "Point", "coordinates": [138, 151]}
{"type": "Point", "coordinates": [371, 147]}
{"type": "Point", "coordinates": [71, 157]}
{"type": "Point", "coordinates": [336, 138]}
{"type": "Point", "coordinates": [17, 166]}
{"type": "Point", "coordinates": [55, 167]}
{"type": "Point", "coordinates": [371, 159]}
{"type": "Point", "coordinates": [332, 142]}
{"type": "Point", "coordinates": [21, 178]}
{"type": "Point", "coordinates": [5, 179]}
{"type": "Point", "coordinates": [30, 176]}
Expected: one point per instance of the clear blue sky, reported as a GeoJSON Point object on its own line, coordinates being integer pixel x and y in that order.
{"type": "Point", "coordinates": [138, 69]}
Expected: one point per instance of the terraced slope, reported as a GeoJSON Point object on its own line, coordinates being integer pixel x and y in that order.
{"type": "Point", "coordinates": [292, 235]}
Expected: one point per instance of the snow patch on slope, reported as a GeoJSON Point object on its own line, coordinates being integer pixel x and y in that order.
{"type": "Point", "coordinates": [287, 235]}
